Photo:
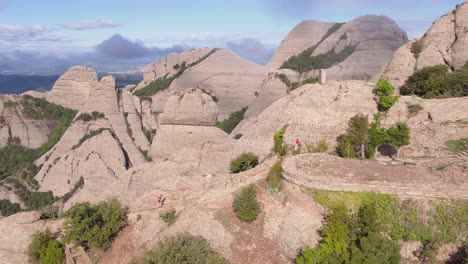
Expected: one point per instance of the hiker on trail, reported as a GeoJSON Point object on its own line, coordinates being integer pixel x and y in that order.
{"type": "Point", "coordinates": [297, 145]}
{"type": "Point", "coordinates": [160, 200]}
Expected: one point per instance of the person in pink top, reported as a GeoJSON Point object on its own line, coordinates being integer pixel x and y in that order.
{"type": "Point", "coordinates": [160, 200]}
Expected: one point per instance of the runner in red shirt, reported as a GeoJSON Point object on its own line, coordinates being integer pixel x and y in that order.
{"type": "Point", "coordinates": [160, 200]}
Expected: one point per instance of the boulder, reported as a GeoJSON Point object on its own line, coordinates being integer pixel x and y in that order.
{"type": "Point", "coordinates": [190, 107]}
{"type": "Point", "coordinates": [401, 67]}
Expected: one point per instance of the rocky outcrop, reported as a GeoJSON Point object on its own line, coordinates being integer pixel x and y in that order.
{"type": "Point", "coordinates": [133, 117]}
{"type": "Point", "coordinates": [444, 43]}
{"type": "Point", "coordinates": [232, 79]}
{"type": "Point", "coordinates": [32, 133]}
{"type": "Point", "coordinates": [372, 40]}
{"type": "Point", "coordinates": [301, 37]}
{"type": "Point", "coordinates": [171, 64]}
{"type": "Point", "coordinates": [74, 87]}
{"type": "Point", "coordinates": [312, 112]}
{"type": "Point", "coordinates": [17, 231]}
{"type": "Point", "coordinates": [191, 107]}
{"type": "Point", "coordinates": [431, 126]}
{"type": "Point", "coordinates": [401, 67]}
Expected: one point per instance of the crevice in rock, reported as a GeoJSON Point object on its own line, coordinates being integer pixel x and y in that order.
{"type": "Point", "coordinates": [128, 162]}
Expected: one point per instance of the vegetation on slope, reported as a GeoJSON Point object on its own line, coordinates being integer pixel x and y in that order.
{"type": "Point", "coordinates": [366, 227]}
{"type": "Point", "coordinates": [230, 123]}
{"type": "Point", "coordinates": [17, 162]}
{"type": "Point", "coordinates": [245, 204]}
{"type": "Point", "coordinates": [361, 138]}
{"type": "Point", "coordinates": [45, 249]}
{"type": "Point", "coordinates": [294, 85]}
{"type": "Point", "coordinates": [457, 146]}
{"type": "Point", "coordinates": [163, 83]}
{"type": "Point", "coordinates": [183, 248]}
{"type": "Point", "coordinates": [94, 225]}
{"type": "Point", "coordinates": [416, 49]}
{"type": "Point", "coordinates": [88, 117]}
{"type": "Point", "coordinates": [8, 208]}
{"type": "Point", "coordinates": [278, 139]}
{"type": "Point", "coordinates": [243, 162]}
{"type": "Point", "coordinates": [384, 91]}
{"type": "Point", "coordinates": [437, 82]}
{"type": "Point", "coordinates": [275, 177]}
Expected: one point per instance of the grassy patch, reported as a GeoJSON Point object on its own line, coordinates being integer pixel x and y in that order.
{"type": "Point", "coordinates": [457, 146]}
{"type": "Point", "coordinates": [245, 204]}
{"type": "Point", "coordinates": [446, 220]}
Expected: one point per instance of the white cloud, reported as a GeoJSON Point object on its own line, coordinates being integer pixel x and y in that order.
{"type": "Point", "coordinates": [14, 33]}
{"type": "Point", "coordinates": [92, 24]}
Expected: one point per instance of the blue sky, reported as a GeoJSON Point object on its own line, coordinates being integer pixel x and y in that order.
{"type": "Point", "coordinates": [60, 28]}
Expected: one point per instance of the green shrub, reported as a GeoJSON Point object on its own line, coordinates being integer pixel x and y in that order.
{"type": "Point", "coordinates": [245, 204]}
{"type": "Point", "coordinates": [169, 217]}
{"type": "Point", "coordinates": [238, 136]}
{"type": "Point", "coordinates": [278, 139]}
{"type": "Point", "coordinates": [94, 225]}
{"type": "Point", "coordinates": [183, 248]}
{"type": "Point", "coordinates": [45, 249]}
{"type": "Point", "coordinates": [243, 162]}
{"type": "Point", "coordinates": [346, 148]}
{"type": "Point", "coordinates": [53, 253]}
{"type": "Point", "coordinates": [416, 49]}
{"type": "Point", "coordinates": [457, 146]}
{"type": "Point", "coordinates": [291, 85]}
{"type": "Point", "coordinates": [7, 208]}
{"type": "Point", "coordinates": [88, 117]}
{"type": "Point", "coordinates": [275, 177]}
{"type": "Point", "coordinates": [437, 82]}
{"type": "Point", "coordinates": [230, 123]}
{"type": "Point", "coordinates": [385, 91]}
{"type": "Point", "coordinates": [322, 146]}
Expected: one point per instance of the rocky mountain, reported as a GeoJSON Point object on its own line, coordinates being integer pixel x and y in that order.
{"type": "Point", "coordinates": [444, 43]}
{"type": "Point", "coordinates": [87, 141]}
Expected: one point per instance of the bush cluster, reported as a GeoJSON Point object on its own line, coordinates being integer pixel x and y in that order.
{"type": "Point", "coordinates": [294, 85]}
{"type": "Point", "coordinates": [385, 91]}
{"type": "Point", "coordinates": [88, 117]}
{"type": "Point", "coordinates": [278, 139]}
{"type": "Point", "coordinates": [245, 204]}
{"type": "Point", "coordinates": [361, 138]}
{"type": "Point", "coordinates": [352, 239]}
{"type": "Point", "coordinates": [304, 61]}
{"type": "Point", "coordinates": [94, 225]}
{"type": "Point", "coordinates": [169, 217]}
{"type": "Point", "coordinates": [275, 177]}
{"type": "Point", "coordinates": [230, 123]}
{"type": "Point", "coordinates": [7, 208]}
{"type": "Point", "coordinates": [437, 82]}
{"type": "Point", "coordinates": [243, 162]}
{"type": "Point", "coordinates": [45, 249]}
{"type": "Point", "coordinates": [183, 248]}
{"type": "Point", "coordinates": [416, 49]}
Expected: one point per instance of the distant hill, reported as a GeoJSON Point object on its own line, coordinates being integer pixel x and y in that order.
{"type": "Point", "coordinates": [17, 84]}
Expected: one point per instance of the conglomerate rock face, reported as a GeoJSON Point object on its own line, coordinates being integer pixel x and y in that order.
{"type": "Point", "coordinates": [74, 87]}
{"type": "Point", "coordinates": [190, 107]}
{"type": "Point", "coordinates": [444, 43]}
{"type": "Point", "coordinates": [373, 38]}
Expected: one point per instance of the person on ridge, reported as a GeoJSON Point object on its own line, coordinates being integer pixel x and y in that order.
{"type": "Point", "coordinates": [160, 200]}
{"type": "Point", "coordinates": [297, 145]}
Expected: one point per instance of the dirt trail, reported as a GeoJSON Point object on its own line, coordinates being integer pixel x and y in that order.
{"type": "Point", "coordinates": [322, 171]}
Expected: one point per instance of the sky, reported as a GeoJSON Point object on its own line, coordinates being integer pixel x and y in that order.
{"type": "Point", "coordinates": [55, 34]}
